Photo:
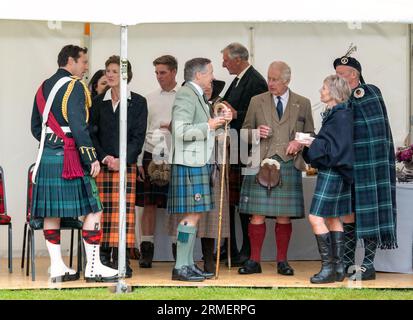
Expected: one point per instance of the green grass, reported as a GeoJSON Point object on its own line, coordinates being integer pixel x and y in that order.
{"type": "Point", "coordinates": [208, 293]}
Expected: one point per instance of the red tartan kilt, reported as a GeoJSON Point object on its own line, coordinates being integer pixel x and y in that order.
{"type": "Point", "coordinates": [108, 185]}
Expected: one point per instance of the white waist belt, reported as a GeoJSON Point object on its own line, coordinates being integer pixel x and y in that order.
{"type": "Point", "coordinates": [64, 129]}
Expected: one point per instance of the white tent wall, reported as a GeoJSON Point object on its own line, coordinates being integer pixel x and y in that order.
{"type": "Point", "coordinates": [29, 54]}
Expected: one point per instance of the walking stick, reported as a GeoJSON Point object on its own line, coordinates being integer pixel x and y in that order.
{"type": "Point", "coordinates": [221, 199]}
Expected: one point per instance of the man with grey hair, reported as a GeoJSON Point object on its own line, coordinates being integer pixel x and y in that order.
{"type": "Point", "coordinates": [247, 83]}
{"type": "Point", "coordinates": [277, 114]}
{"type": "Point", "coordinates": [193, 140]}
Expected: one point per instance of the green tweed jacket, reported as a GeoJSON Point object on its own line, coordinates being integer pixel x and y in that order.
{"type": "Point", "coordinates": [192, 140]}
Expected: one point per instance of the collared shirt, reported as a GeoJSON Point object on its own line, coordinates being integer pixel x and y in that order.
{"type": "Point", "coordinates": [242, 74]}
{"type": "Point", "coordinates": [160, 103]}
{"type": "Point", "coordinates": [284, 99]}
{"type": "Point", "coordinates": [197, 87]}
{"type": "Point", "coordinates": [108, 96]}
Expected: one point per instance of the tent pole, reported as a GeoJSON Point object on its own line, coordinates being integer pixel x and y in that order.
{"type": "Point", "coordinates": [410, 64]}
{"type": "Point", "coordinates": [121, 286]}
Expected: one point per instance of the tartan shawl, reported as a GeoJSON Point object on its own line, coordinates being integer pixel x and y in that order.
{"type": "Point", "coordinates": [374, 169]}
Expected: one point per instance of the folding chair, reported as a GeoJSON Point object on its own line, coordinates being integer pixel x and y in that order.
{"type": "Point", "coordinates": [32, 224]}
{"type": "Point", "coordinates": [5, 219]}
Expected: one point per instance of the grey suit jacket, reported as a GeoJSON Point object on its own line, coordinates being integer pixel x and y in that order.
{"type": "Point", "coordinates": [192, 141]}
{"type": "Point", "coordinates": [297, 117]}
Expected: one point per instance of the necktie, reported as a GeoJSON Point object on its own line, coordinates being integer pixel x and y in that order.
{"type": "Point", "coordinates": [279, 108]}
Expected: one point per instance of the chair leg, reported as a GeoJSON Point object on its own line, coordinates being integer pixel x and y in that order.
{"type": "Point", "coordinates": [24, 245]}
{"type": "Point", "coordinates": [72, 233]}
{"type": "Point", "coordinates": [79, 251]}
{"type": "Point", "coordinates": [33, 257]}
{"type": "Point", "coordinates": [29, 244]}
{"type": "Point", "coordinates": [10, 249]}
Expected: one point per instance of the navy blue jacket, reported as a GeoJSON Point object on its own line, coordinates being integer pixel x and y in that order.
{"type": "Point", "coordinates": [333, 145]}
{"type": "Point", "coordinates": [76, 117]}
{"type": "Point", "coordinates": [104, 127]}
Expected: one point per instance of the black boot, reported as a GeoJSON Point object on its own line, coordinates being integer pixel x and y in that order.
{"type": "Point", "coordinates": [174, 250]}
{"type": "Point", "coordinates": [337, 244]}
{"type": "Point", "coordinates": [208, 245]}
{"type": "Point", "coordinates": [128, 273]}
{"type": "Point", "coordinates": [327, 272]}
{"type": "Point", "coordinates": [115, 261]}
{"type": "Point", "coordinates": [105, 256]}
{"type": "Point", "coordinates": [147, 248]}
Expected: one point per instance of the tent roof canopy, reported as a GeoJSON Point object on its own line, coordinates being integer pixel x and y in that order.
{"type": "Point", "coordinates": [130, 12]}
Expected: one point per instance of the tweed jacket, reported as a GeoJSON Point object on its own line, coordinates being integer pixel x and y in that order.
{"type": "Point", "coordinates": [192, 140]}
{"type": "Point", "coordinates": [297, 117]}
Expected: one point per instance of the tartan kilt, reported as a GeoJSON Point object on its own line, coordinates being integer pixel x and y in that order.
{"type": "Point", "coordinates": [148, 193]}
{"type": "Point", "coordinates": [332, 195]}
{"type": "Point", "coordinates": [108, 185]}
{"type": "Point", "coordinates": [190, 190]}
{"type": "Point", "coordinates": [284, 201]}
{"type": "Point", "coordinates": [235, 182]}
{"type": "Point", "coordinates": [56, 197]}
{"type": "Point", "coordinates": [208, 224]}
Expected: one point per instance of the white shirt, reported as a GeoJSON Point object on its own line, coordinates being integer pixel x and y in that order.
{"type": "Point", "coordinates": [284, 99]}
{"type": "Point", "coordinates": [197, 87]}
{"type": "Point", "coordinates": [160, 103]}
{"type": "Point", "coordinates": [242, 74]}
{"type": "Point", "coordinates": [108, 96]}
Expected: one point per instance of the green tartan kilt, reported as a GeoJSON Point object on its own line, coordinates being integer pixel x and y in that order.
{"type": "Point", "coordinates": [332, 195]}
{"type": "Point", "coordinates": [56, 197]}
{"type": "Point", "coordinates": [285, 200]}
{"type": "Point", "coordinates": [190, 189]}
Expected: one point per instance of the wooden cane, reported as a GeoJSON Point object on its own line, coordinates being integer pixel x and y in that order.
{"type": "Point", "coordinates": [221, 200]}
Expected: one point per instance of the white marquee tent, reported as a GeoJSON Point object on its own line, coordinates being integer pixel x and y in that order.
{"type": "Point", "coordinates": [306, 34]}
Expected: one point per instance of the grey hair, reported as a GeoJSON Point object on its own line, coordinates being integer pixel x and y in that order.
{"type": "Point", "coordinates": [236, 50]}
{"type": "Point", "coordinates": [284, 68]}
{"type": "Point", "coordinates": [193, 66]}
{"type": "Point", "coordinates": [338, 87]}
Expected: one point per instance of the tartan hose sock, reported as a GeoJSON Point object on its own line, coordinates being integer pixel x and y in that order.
{"type": "Point", "coordinates": [349, 244]}
{"type": "Point", "coordinates": [52, 235]}
{"type": "Point", "coordinates": [256, 234]}
{"type": "Point", "coordinates": [370, 247]}
{"type": "Point", "coordinates": [92, 236]}
{"type": "Point", "coordinates": [282, 239]}
{"type": "Point", "coordinates": [184, 245]}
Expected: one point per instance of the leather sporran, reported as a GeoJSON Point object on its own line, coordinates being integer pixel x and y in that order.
{"type": "Point", "coordinates": [269, 175]}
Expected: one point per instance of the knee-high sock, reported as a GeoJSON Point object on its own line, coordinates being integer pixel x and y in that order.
{"type": "Point", "coordinates": [184, 245]}
{"type": "Point", "coordinates": [370, 247]}
{"type": "Point", "coordinates": [349, 244]}
{"type": "Point", "coordinates": [282, 239]}
{"type": "Point", "coordinates": [92, 236]}
{"type": "Point", "coordinates": [52, 235]}
{"type": "Point", "coordinates": [256, 234]}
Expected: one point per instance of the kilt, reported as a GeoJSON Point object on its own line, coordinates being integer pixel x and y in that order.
{"type": "Point", "coordinates": [108, 185]}
{"type": "Point", "coordinates": [148, 193]}
{"type": "Point", "coordinates": [56, 197]}
{"type": "Point", "coordinates": [235, 182]}
{"type": "Point", "coordinates": [208, 224]}
{"type": "Point", "coordinates": [284, 201]}
{"type": "Point", "coordinates": [332, 195]}
{"type": "Point", "coordinates": [190, 190]}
